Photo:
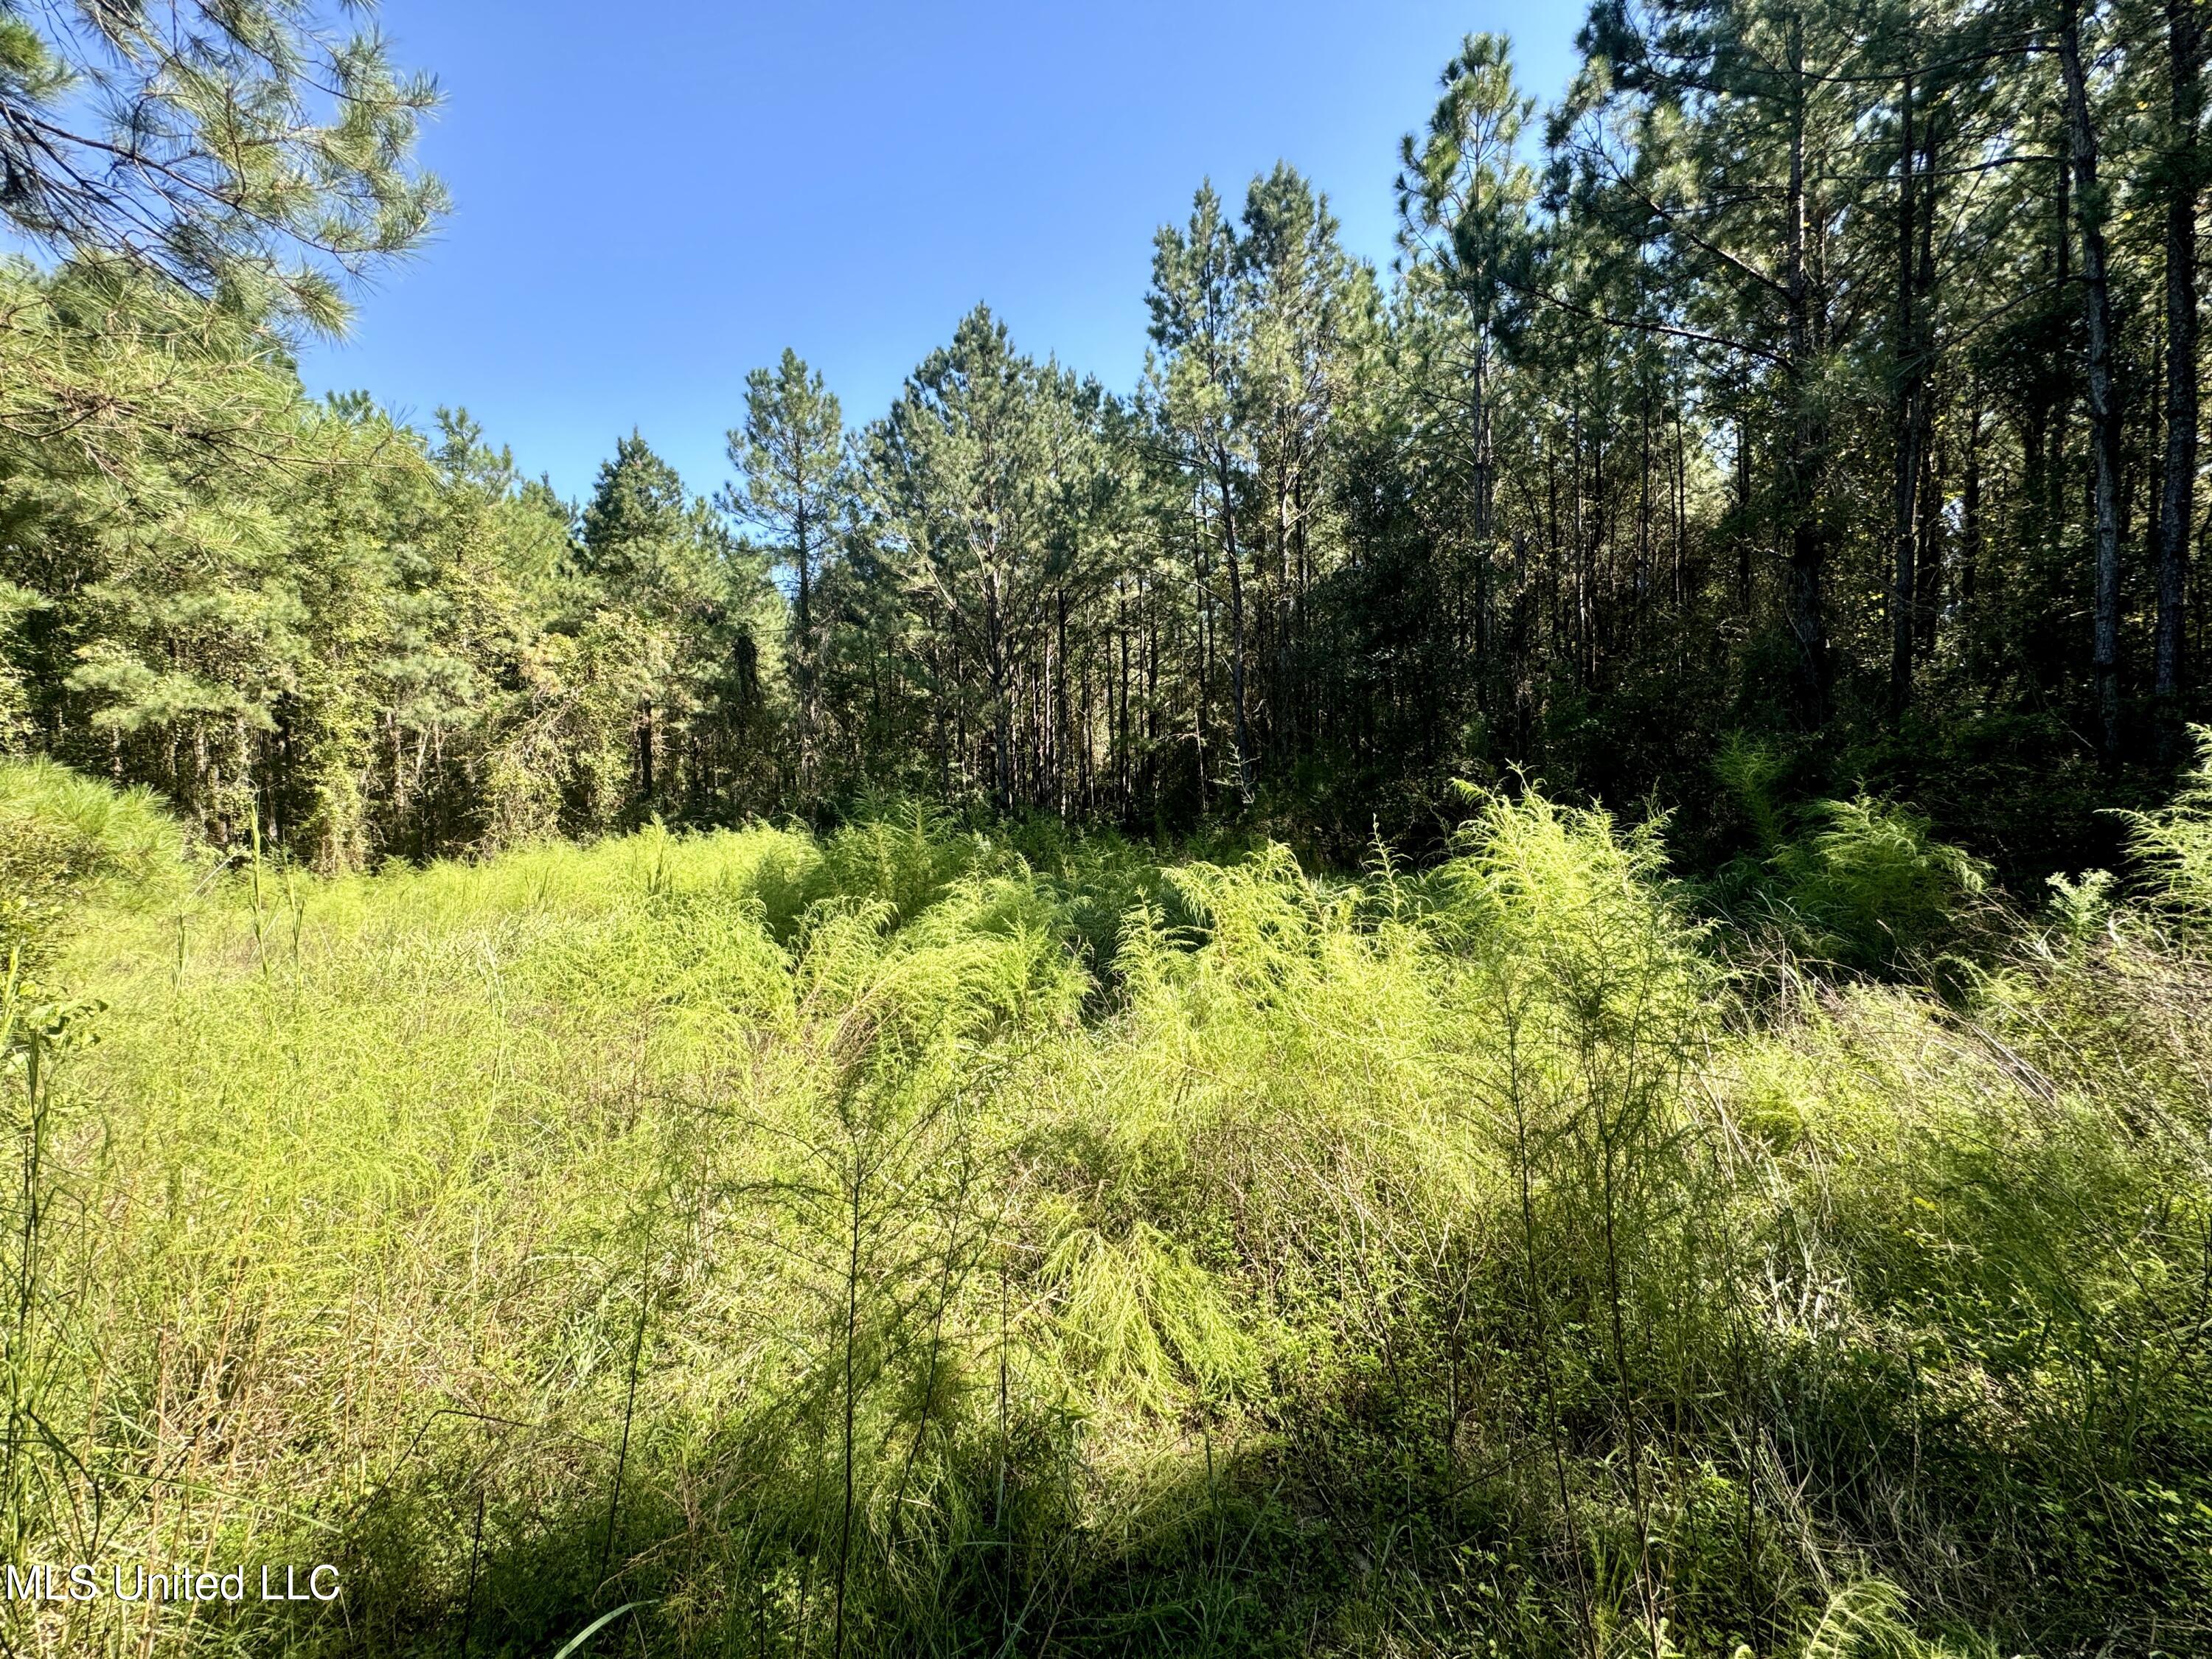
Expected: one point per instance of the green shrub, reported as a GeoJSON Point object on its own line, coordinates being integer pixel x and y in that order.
{"type": "Point", "coordinates": [1860, 884]}
{"type": "Point", "coordinates": [2175, 844]}
{"type": "Point", "coordinates": [66, 840]}
{"type": "Point", "coordinates": [1867, 887]}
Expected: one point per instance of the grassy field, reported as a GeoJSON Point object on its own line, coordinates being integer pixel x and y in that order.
{"type": "Point", "coordinates": [924, 1242]}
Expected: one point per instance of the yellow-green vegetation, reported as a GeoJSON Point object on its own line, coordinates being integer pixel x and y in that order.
{"type": "Point", "coordinates": [66, 841]}
{"type": "Point", "coordinates": [923, 1242]}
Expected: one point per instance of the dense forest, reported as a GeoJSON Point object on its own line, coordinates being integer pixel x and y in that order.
{"type": "Point", "coordinates": [1819, 378]}
{"type": "Point", "coordinates": [1517, 962]}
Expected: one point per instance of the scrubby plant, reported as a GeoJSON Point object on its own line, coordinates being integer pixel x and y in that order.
{"type": "Point", "coordinates": [1861, 885]}
{"type": "Point", "coordinates": [744, 1243]}
{"type": "Point", "coordinates": [2174, 844]}
{"type": "Point", "coordinates": [66, 840]}
{"type": "Point", "coordinates": [1867, 886]}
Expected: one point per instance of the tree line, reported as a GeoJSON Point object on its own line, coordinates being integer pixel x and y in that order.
{"type": "Point", "coordinates": [1812, 381]}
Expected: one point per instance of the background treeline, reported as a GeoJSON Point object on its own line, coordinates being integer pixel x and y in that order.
{"type": "Point", "coordinates": [383, 643]}
{"type": "Point", "coordinates": [1822, 377]}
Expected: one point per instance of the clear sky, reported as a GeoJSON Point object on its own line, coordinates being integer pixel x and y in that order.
{"type": "Point", "coordinates": [651, 199]}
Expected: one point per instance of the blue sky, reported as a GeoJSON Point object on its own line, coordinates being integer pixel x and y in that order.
{"type": "Point", "coordinates": [650, 200]}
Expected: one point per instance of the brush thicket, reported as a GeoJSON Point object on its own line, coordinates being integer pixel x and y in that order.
{"type": "Point", "coordinates": [922, 1242]}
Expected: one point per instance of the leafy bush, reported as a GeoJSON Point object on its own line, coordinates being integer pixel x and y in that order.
{"type": "Point", "coordinates": [2175, 843]}
{"type": "Point", "coordinates": [1867, 887]}
{"type": "Point", "coordinates": [66, 840]}
{"type": "Point", "coordinates": [1860, 884]}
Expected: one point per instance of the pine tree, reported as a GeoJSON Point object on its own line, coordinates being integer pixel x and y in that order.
{"type": "Point", "coordinates": [795, 488]}
{"type": "Point", "coordinates": [200, 155]}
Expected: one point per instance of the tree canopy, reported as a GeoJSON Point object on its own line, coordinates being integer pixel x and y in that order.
{"type": "Point", "coordinates": [1813, 380]}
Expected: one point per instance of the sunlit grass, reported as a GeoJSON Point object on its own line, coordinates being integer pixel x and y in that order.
{"type": "Point", "coordinates": [908, 1244]}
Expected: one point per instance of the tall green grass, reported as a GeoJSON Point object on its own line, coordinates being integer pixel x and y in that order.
{"type": "Point", "coordinates": [934, 1241]}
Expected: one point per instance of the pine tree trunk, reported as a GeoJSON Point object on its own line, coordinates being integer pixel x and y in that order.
{"type": "Point", "coordinates": [1239, 730]}
{"type": "Point", "coordinates": [805, 665]}
{"type": "Point", "coordinates": [1905, 429]}
{"type": "Point", "coordinates": [2104, 413]}
{"type": "Point", "coordinates": [2176, 504]}
{"type": "Point", "coordinates": [1970, 514]}
{"type": "Point", "coordinates": [1807, 575]}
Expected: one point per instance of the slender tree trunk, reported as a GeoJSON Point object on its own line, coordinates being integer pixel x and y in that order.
{"type": "Point", "coordinates": [1000, 673]}
{"type": "Point", "coordinates": [1239, 730]}
{"type": "Point", "coordinates": [802, 557]}
{"type": "Point", "coordinates": [2176, 505]}
{"type": "Point", "coordinates": [1905, 431]}
{"type": "Point", "coordinates": [1202, 624]}
{"type": "Point", "coordinates": [1283, 707]}
{"type": "Point", "coordinates": [2104, 413]}
{"type": "Point", "coordinates": [1970, 513]}
{"type": "Point", "coordinates": [1743, 540]}
{"type": "Point", "coordinates": [1151, 770]}
{"type": "Point", "coordinates": [1124, 766]}
{"type": "Point", "coordinates": [1928, 587]}
{"type": "Point", "coordinates": [1807, 575]}
{"type": "Point", "coordinates": [1060, 732]}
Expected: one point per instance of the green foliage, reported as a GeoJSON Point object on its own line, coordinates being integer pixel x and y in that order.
{"type": "Point", "coordinates": [252, 151]}
{"type": "Point", "coordinates": [777, 1237]}
{"type": "Point", "coordinates": [1867, 886]}
{"type": "Point", "coordinates": [66, 841]}
{"type": "Point", "coordinates": [1866, 1619]}
{"type": "Point", "coordinates": [798, 488]}
{"type": "Point", "coordinates": [1463, 190]}
{"type": "Point", "coordinates": [304, 621]}
{"type": "Point", "coordinates": [984, 483]}
{"type": "Point", "coordinates": [2174, 843]}
{"type": "Point", "coordinates": [964, 1234]}
{"type": "Point", "coordinates": [1864, 885]}
{"type": "Point", "coordinates": [1749, 771]}
{"type": "Point", "coordinates": [1669, 423]}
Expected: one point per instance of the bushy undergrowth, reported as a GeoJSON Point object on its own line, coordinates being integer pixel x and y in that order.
{"type": "Point", "coordinates": [65, 840]}
{"type": "Point", "coordinates": [937, 1242]}
{"type": "Point", "coordinates": [1859, 886]}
